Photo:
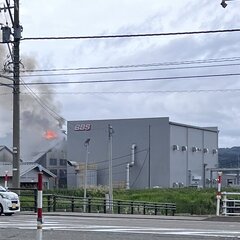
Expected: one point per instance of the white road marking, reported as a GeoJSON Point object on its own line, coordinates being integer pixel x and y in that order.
{"type": "Point", "coordinates": [23, 223]}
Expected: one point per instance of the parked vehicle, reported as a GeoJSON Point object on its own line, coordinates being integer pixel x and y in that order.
{"type": "Point", "coordinates": [9, 202]}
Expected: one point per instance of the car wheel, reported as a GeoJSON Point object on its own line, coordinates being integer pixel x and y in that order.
{"type": "Point", "coordinates": [8, 214]}
{"type": "Point", "coordinates": [1, 209]}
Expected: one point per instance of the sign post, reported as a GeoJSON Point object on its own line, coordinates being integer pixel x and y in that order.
{"type": "Point", "coordinates": [39, 201]}
{"type": "Point", "coordinates": [219, 195]}
{"type": "Point", "coordinates": [6, 180]}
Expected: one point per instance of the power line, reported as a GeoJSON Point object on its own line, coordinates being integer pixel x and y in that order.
{"type": "Point", "coordinates": [123, 156]}
{"type": "Point", "coordinates": [133, 79]}
{"type": "Point", "coordinates": [185, 62]}
{"type": "Point", "coordinates": [138, 92]}
{"type": "Point", "coordinates": [133, 35]}
{"type": "Point", "coordinates": [53, 113]}
{"type": "Point", "coordinates": [140, 170]}
{"type": "Point", "coordinates": [129, 71]}
{"type": "Point", "coordinates": [134, 92]}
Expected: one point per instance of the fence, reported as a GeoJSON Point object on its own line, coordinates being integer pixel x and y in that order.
{"type": "Point", "coordinates": [230, 206]}
{"type": "Point", "coordinates": [57, 203]}
{"type": "Point", "coordinates": [28, 198]}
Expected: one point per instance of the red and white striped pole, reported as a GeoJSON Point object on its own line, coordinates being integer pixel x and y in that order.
{"type": "Point", "coordinates": [219, 194]}
{"type": "Point", "coordinates": [6, 180]}
{"type": "Point", "coordinates": [39, 201]}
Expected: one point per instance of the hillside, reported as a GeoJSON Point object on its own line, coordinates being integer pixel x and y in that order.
{"type": "Point", "coordinates": [229, 157]}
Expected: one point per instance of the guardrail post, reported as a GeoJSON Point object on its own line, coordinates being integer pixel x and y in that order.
{"type": "Point", "coordinates": [119, 207]}
{"type": "Point", "coordinates": [155, 210]}
{"type": "Point", "coordinates": [49, 203]}
{"type": "Point", "coordinates": [219, 193]}
{"type": "Point", "coordinates": [166, 209]}
{"type": "Point", "coordinates": [54, 203]}
{"type": "Point", "coordinates": [132, 208]}
{"type": "Point", "coordinates": [104, 206]}
{"type": "Point", "coordinates": [224, 204]}
{"type": "Point", "coordinates": [89, 205]}
{"type": "Point", "coordinates": [72, 205]}
{"type": "Point", "coordinates": [35, 200]}
{"type": "Point", "coordinates": [173, 211]}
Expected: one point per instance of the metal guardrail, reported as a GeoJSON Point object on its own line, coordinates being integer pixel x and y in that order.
{"type": "Point", "coordinates": [30, 195]}
{"type": "Point", "coordinates": [230, 206]}
{"type": "Point", "coordinates": [99, 205]}
{"type": "Point", "coordinates": [57, 203]}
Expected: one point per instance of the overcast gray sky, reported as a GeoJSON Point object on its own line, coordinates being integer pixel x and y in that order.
{"type": "Point", "coordinates": [105, 17]}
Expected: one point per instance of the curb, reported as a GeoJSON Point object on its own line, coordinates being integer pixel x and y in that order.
{"type": "Point", "coordinates": [127, 216]}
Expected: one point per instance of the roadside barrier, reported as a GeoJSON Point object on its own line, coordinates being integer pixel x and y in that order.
{"type": "Point", "coordinates": [230, 206]}
{"type": "Point", "coordinates": [28, 197]}
{"type": "Point", "coordinates": [98, 205]}
{"type": "Point", "coordinates": [59, 203]}
{"type": "Point", "coordinates": [219, 196]}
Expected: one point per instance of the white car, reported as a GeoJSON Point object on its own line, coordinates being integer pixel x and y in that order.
{"type": "Point", "coordinates": [9, 202]}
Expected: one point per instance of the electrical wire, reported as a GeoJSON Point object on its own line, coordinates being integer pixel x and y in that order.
{"type": "Point", "coordinates": [123, 156]}
{"type": "Point", "coordinates": [128, 71]}
{"type": "Point", "coordinates": [133, 79]}
{"type": "Point", "coordinates": [114, 166]}
{"type": "Point", "coordinates": [53, 113]}
{"type": "Point", "coordinates": [140, 170]}
{"type": "Point", "coordinates": [135, 92]}
{"type": "Point", "coordinates": [147, 92]}
{"type": "Point", "coordinates": [186, 62]}
{"type": "Point", "coordinates": [133, 35]}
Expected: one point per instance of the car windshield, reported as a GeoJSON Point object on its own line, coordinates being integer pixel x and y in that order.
{"type": "Point", "coordinates": [2, 189]}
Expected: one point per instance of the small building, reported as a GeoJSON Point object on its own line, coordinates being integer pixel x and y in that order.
{"type": "Point", "coordinates": [146, 152]}
{"type": "Point", "coordinates": [28, 175]}
{"type": "Point", "coordinates": [55, 160]}
{"type": "Point", "coordinates": [6, 155]}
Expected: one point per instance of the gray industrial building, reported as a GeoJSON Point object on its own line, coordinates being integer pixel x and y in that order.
{"type": "Point", "coordinates": [146, 153]}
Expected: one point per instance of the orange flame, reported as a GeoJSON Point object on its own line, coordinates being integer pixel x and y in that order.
{"type": "Point", "coordinates": [50, 135]}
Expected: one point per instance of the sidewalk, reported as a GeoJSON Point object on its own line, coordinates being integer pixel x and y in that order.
{"type": "Point", "coordinates": [129, 216]}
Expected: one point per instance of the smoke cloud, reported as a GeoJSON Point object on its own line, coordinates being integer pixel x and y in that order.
{"type": "Point", "coordinates": [39, 113]}
{"type": "Point", "coordinates": [5, 99]}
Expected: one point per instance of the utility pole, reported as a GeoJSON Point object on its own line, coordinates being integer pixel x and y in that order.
{"type": "Point", "coordinates": [86, 144]}
{"type": "Point", "coordinates": [110, 133]}
{"type": "Point", "coordinates": [149, 156]}
{"type": "Point", "coordinates": [16, 92]}
{"type": "Point", "coordinates": [6, 33]}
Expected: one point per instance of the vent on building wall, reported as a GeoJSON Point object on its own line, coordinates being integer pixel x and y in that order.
{"type": "Point", "coordinates": [178, 185]}
{"type": "Point", "coordinates": [205, 150]}
{"type": "Point", "coordinates": [214, 151]}
{"type": "Point", "coordinates": [184, 148]}
{"type": "Point", "coordinates": [175, 147]}
{"type": "Point", "coordinates": [194, 149]}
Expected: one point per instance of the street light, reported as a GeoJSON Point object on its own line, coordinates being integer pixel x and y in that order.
{"type": "Point", "coordinates": [224, 4]}
{"type": "Point", "coordinates": [86, 144]}
{"type": "Point", "coordinates": [110, 133]}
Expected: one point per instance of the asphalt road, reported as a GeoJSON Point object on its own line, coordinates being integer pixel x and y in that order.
{"type": "Point", "coordinates": [92, 227]}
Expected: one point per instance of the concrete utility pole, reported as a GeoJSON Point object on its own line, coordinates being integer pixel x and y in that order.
{"type": "Point", "coordinates": [16, 92]}
{"type": "Point", "coordinates": [110, 133]}
{"type": "Point", "coordinates": [6, 33]}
